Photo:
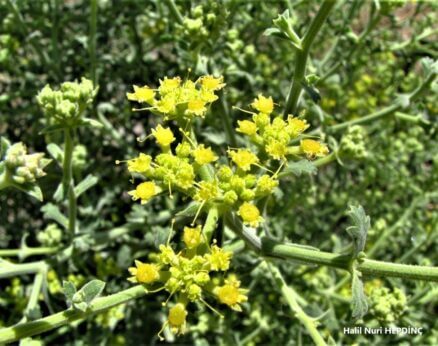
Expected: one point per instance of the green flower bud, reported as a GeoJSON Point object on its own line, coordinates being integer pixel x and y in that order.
{"type": "Point", "coordinates": [230, 197]}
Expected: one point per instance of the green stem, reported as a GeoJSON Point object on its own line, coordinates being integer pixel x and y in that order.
{"type": "Point", "coordinates": [9, 269]}
{"type": "Point", "coordinates": [68, 185]}
{"type": "Point", "coordinates": [291, 298]}
{"type": "Point", "coordinates": [268, 247]}
{"type": "Point", "coordinates": [228, 126]}
{"type": "Point", "coordinates": [34, 295]}
{"type": "Point", "coordinates": [210, 223]}
{"type": "Point", "coordinates": [28, 251]}
{"type": "Point", "coordinates": [302, 55]}
{"type": "Point", "coordinates": [92, 41]}
{"type": "Point", "coordinates": [325, 160]}
{"type": "Point", "coordinates": [398, 105]}
{"type": "Point", "coordinates": [68, 316]}
{"type": "Point", "coordinates": [175, 11]}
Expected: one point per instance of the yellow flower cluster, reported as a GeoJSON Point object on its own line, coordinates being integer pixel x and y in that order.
{"type": "Point", "coordinates": [182, 166]}
{"type": "Point", "coordinates": [273, 134]}
{"type": "Point", "coordinates": [177, 99]}
{"type": "Point", "coordinates": [188, 275]}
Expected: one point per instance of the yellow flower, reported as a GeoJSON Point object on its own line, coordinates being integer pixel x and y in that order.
{"type": "Point", "coordinates": [140, 164]}
{"type": "Point", "coordinates": [276, 149]}
{"type": "Point", "coordinates": [247, 127]}
{"type": "Point", "coordinates": [168, 85]}
{"type": "Point", "coordinates": [144, 273]}
{"type": "Point", "coordinates": [208, 96]}
{"type": "Point", "coordinates": [296, 126]}
{"type": "Point", "coordinates": [177, 318]}
{"type": "Point", "coordinates": [167, 255]}
{"type": "Point", "coordinates": [144, 191]}
{"type": "Point", "coordinates": [207, 191]}
{"type": "Point", "coordinates": [263, 104]}
{"type": "Point", "coordinates": [250, 214]}
{"type": "Point", "coordinates": [166, 105]}
{"type": "Point", "coordinates": [219, 259]}
{"type": "Point", "coordinates": [212, 83]}
{"type": "Point", "coordinates": [204, 155]}
{"type": "Point", "coordinates": [313, 148]}
{"type": "Point", "coordinates": [231, 295]}
{"type": "Point", "coordinates": [196, 107]}
{"type": "Point", "coordinates": [141, 94]}
{"type": "Point", "coordinates": [243, 158]}
{"type": "Point", "coordinates": [266, 184]}
{"type": "Point", "coordinates": [164, 136]}
{"type": "Point", "coordinates": [192, 237]}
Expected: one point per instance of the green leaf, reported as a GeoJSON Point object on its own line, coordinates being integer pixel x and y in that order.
{"type": "Point", "coordinates": [69, 290]}
{"type": "Point", "coordinates": [312, 92]}
{"type": "Point", "coordinates": [56, 152]}
{"type": "Point", "coordinates": [359, 304]}
{"type": "Point", "coordinates": [52, 212]}
{"type": "Point", "coordinates": [91, 123]}
{"type": "Point", "coordinates": [4, 145]}
{"type": "Point", "coordinates": [300, 167]}
{"type": "Point", "coordinates": [89, 181]}
{"type": "Point", "coordinates": [31, 189]}
{"type": "Point", "coordinates": [359, 230]}
{"type": "Point", "coordinates": [190, 211]}
{"type": "Point", "coordinates": [90, 291]}
{"type": "Point", "coordinates": [52, 128]}
{"type": "Point", "coordinates": [81, 306]}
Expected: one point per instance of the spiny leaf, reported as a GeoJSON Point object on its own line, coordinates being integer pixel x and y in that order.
{"type": "Point", "coordinates": [359, 230]}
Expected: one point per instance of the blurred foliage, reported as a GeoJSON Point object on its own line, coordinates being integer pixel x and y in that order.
{"type": "Point", "coordinates": [392, 170]}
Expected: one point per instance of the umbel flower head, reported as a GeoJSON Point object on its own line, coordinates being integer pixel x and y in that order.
{"type": "Point", "coordinates": [177, 99]}
{"type": "Point", "coordinates": [20, 169]}
{"type": "Point", "coordinates": [234, 182]}
{"type": "Point", "coordinates": [191, 275]}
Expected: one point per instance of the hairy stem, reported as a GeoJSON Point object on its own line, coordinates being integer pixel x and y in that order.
{"type": "Point", "coordinates": [59, 319]}
{"type": "Point", "coordinates": [292, 300]}
{"type": "Point", "coordinates": [302, 55]}
{"type": "Point", "coordinates": [268, 247]}
{"type": "Point", "coordinates": [68, 186]}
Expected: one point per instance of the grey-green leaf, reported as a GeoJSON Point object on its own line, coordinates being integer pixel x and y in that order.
{"type": "Point", "coordinates": [300, 167]}
{"type": "Point", "coordinates": [359, 304]}
{"type": "Point", "coordinates": [69, 290]}
{"type": "Point", "coordinates": [91, 290]}
{"type": "Point", "coordinates": [89, 181]}
{"type": "Point", "coordinates": [359, 230]}
{"type": "Point", "coordinates": [52, 212]}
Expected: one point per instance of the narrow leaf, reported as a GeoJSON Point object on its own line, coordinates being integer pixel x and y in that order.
{"type": "Point", "coordinates": [69, 290]}
{"type": "Point", "coordinates": [359, 305]}
{"type": "Point", "coordinates": [89, 181]}
{"type": "Point", "coordinates": [52, 212]}
{"type": "Point", "coordinates": [300, 167]}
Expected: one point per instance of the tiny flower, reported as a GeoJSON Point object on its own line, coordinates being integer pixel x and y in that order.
{"type": "Point", "coordinates": [212, 83]}
{"type": "Point", "coordinates": [192, 237]}
{"type": "Point", "coordinates": [266, 184]}
{"type": "Point", "coordinates": [141, 94]}
{"type": "Point", "coordinates": [204, 155]}
{"type": "Point", "coordinates": [194, 292]}
{"type": "Point", "coordinates": [196, 107]}
{"type": "Point", "coordinates": [208, 96]}
{"type": "Point", "coordinates": [207, 191]}
{"type": "Point", "coordinates": [144, 191]}
{"type": "Point", "coordinates": [167, 255]}
{"type": "Point", "coordinates": [168, 85]}
{"type": "Point", "coordinates": [219, 259]}
{"type": "Point", "coordinates": [140, 164]}
{"type": "Point", "coordinates": [263, 104]}
{"type": "Point", "coordinates": [250, 214]}
{"type": "Point", "coordinates": [166, 105]}
{"type": "Point", "coordinates": [276, 149]}
{"type": "Point", "coordinates": [231, 295]}
{"type": "Point", "coordinates": [247, 127]}
{"type": "Point", "coordinates": [296, 126]}
{"type": "Point", "coordinates": [144, 273]}
{"type": "Point", "coordinates": [177, 318]}
{"type": "Point", "coordinates": [313, 148]}
{"type": "Point", "coordinates": [243, 158]}
{"type": "Point", "coordinates": [163, 135]}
